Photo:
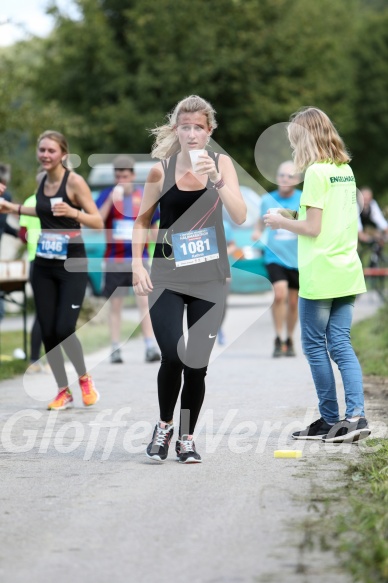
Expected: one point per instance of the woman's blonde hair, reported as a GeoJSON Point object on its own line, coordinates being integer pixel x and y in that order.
{"type": "Point", "coordinates": [56, 137]}
{"type": "Point", "coordinates": [314, 138]}
{"type": "Point", "coordinates": [166, 141]}
{"type": "Point", "coordinates": [63, 144]}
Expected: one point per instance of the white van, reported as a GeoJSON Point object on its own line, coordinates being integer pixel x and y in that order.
{"type": "Point", "coordinates": [102, 175]}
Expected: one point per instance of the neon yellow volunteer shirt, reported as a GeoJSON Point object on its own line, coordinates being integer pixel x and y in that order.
{"type": "Point", "coordinates": [32, 225]}
{"type": "Point", "coordinates": [329, 266]}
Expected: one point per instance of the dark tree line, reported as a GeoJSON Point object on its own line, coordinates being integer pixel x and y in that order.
{"type": "Point", "coordinates": [105, 78]}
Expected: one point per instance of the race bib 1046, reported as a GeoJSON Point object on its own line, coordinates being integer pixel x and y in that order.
{"type": "Point", "coordinates": [52, 246]}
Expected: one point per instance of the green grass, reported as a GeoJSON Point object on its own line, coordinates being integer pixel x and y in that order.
{"type": "Point", "coordinates": [12, 368]}
{"type": "Point", "coordinates": [363, 529]}
{"type": "Point", "coordinates": [97, 336]}
{"type": "Point", "coordinates": [92, 337]}
{"type": "Point", "coordinates": [370, 341]}
{"type": "Point", "coordinates": [352, 519]}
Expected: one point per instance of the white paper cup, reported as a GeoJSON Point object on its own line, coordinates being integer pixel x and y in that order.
{"type": "Point", "coordinates": [19, 354]}
{"type": "Point", "coordinates": [118, 192]}
{"type": "Point", "coordinates": [287, 213]}
{"type": "Point", "coordinates": [194, 154]}
{"type": "Point", "coordinates": [55, 200]}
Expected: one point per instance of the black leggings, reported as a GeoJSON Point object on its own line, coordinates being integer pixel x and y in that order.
{"type": "Point", "coordinates": [205, 306]}
{"type": "Point", "coordinates": [36, 333]}
{"type": "Point", "coordinates": [35, 341]}
{"type": "Point", "coordinates": [58, 299]}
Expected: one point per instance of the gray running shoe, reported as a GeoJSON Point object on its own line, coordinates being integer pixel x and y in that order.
{"type": "Point", "coordinates": [152, 354]}
{"type": "Point", "coordinates": [158, 448]}
{"type": "Point", "coordinates": [115, 357]}
{"type": "Point", "coordinates": [186, 452]}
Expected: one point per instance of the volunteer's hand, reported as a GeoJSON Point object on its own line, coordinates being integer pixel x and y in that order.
{"type": "Point", "coordinates": [273, 220]}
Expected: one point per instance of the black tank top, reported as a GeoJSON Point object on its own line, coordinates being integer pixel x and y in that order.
{"type": "Point", "coordinates": [366, 219]}
{"type": "Point", "coordinates": [183, 211]}
{"type": "Point", "coordinates": [51, 223]}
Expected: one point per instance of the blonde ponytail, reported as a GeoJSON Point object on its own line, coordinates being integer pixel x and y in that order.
{"type": "Point", "coordinates": [166, 142]}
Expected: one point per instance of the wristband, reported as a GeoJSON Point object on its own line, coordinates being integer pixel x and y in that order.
{"type": "Point", "coordinates": [19, 209]}
{"type": "Point", "coordinates": [219, 184]}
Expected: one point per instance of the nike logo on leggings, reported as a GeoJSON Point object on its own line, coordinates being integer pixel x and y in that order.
{"type": "Point", "coordinates": [75, 307]}
{"type": "Point", "coordinates": [210, 336]}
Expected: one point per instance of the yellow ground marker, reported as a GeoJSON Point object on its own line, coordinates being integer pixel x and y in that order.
{"type": "Point", "coordinates": [287, 453]}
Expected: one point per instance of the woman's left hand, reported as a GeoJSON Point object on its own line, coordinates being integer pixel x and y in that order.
{"type": "Point", "coordinates": [206, 165]}
{"type": "Point", "coordinates": [62, 209]}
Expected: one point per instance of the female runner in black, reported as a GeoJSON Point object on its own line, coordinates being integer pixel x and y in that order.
{"type": "Point", "coordinates": [190, 264]}
{"type": "Point", "coordinates": [64, 203]}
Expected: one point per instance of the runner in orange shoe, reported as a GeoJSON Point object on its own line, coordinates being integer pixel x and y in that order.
{"type": "Point", "coordinates": [63, 203]}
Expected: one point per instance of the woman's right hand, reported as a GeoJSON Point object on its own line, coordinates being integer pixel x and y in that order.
{"type": "Point", "coordinates": [142, 284]}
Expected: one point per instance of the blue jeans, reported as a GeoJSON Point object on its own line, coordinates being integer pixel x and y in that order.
{"type": "Point", "coordinates": [325, 326]}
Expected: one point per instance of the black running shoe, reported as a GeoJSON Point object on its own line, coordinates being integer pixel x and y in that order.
{"type": "Point", "coordinates": [278, 348]}
{"type": "Point", "coordinates": [348, 431]}
{"type": "Point", "coordinates": [158, 448]}
{"type": "Point", "coordinates": [186, 452]}
{"type": "Point", "coordinates": [288, 348]}
{"type": "Point", "coordinates": [316, 430]}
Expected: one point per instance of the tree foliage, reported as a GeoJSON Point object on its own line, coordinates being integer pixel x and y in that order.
{"type": "Point", "coordinates": [369, 140]}
{"type": "Point", "coordinates": [23, 116]}
{"type": "Point", "coordinates": [116, 71]}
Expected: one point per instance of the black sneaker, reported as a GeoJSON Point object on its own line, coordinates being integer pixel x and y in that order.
{"type": "Point", "coordinates": [152, 354]}
{"type": "Point", "coordinates": [348, 431]}
{"type": "Point", "coordinates": [158, 448]}
{"type": "Point", "coordinates": [288, 348]}
{"type": "Point", "coordinates": [115, 357]}
{"type": "Point", "coordinates": [186, 452]}
{"type": "Point", "coordinates": [316, 430]}
{"type": "Point", "coordinates": [278, 348]}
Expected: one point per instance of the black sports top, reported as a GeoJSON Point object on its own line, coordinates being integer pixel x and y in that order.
{"type": "Point", "coordinates": [184, 211]}
{"type": "Point", "coordinates": [51, 223]}
{"type": "Point", "coordinates": [366, 220]}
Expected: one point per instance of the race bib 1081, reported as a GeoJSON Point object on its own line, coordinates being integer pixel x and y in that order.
{"type": "Point", "coordinates": [195, 246]}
